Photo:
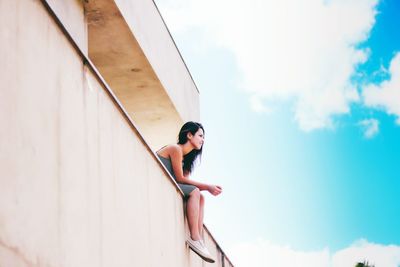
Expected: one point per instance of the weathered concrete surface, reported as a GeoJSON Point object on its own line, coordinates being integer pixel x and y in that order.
{"type": "Point", "coordinates": [77, 185]}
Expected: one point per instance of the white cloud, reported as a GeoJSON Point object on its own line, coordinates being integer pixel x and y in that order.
{"type": "Point", "coordinates": [377, 254]}
{"type": "Point", "coordinates": [386, 95]}
{"type": "Point", "coordinates": [257, 105]}
{"type": "Point", "coordinates": [287, 50]}
{"type": "Point", "coordinates": [265, 253]}
{"type": "Point", "coordinates": [370, 127]}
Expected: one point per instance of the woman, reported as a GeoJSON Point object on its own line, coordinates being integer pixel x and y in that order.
{"type": "Point", "coordinates": [179, 159]}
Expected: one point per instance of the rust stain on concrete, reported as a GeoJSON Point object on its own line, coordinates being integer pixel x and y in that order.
{"type": "Point", "coordinates": [18, 253]}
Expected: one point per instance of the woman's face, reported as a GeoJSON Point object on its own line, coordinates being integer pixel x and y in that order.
{"type": "Point", "coordinates": [197, 139]}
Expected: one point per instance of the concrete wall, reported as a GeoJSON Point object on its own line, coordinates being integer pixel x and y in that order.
{"type": "Point", "coordinates": [78, 186]}
{"type": "Point", "coordinates": [71, 14]}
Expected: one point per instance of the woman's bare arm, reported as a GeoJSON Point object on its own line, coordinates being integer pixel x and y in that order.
{"type": "Point", "coordinates": [175, 154]}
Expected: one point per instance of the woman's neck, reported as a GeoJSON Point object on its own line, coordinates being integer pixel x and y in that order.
{"type": "Point", "coordinates": [186, 148]}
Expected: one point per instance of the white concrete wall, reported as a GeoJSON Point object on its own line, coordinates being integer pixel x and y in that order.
{"type": "Point", "coordinates": [77, 186]}
{"type": "Point", "coordinates": [72, 15]}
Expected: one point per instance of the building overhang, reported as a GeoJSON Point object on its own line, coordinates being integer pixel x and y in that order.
{"type": "Point", "coordinates": [139, 60]}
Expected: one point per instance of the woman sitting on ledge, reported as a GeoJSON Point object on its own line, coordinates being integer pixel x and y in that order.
{"type": "Point", "coordinates": [179, 159]}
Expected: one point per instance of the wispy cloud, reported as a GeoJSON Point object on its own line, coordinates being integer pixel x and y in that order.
{"type": "Point", "coordinates": [289, 50]}
{"type": "Point", "coordinates": [265, 253]}
{"type": "Point", "coordinates": [258, 106]}
{"type": "Point", "coordinates": [370, 127]}
{"type": "Point", "coordinates": [386, 95]}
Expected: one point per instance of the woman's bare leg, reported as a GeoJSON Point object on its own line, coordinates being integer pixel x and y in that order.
{"type": "Point", "coordinates": [201, 215]}
{"type": "Point", "coordinates": [193, 209]}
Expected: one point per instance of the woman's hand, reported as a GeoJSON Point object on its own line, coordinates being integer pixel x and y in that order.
{"type": "Point", "coordinates": [214, 189]}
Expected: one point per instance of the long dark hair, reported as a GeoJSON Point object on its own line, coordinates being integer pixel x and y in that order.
{"type": "Point", "coordinates": [190, 158]}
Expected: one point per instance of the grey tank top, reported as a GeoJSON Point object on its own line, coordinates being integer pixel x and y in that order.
{"type": "Point", "coordinates": [168, 165]}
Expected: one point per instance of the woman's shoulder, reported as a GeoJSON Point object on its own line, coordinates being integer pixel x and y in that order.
{"type": "Point", "coordinates": [168, 150]}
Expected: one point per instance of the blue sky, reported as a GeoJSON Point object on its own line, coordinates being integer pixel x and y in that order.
{"type": "Point", "coordinates": [296, 173]}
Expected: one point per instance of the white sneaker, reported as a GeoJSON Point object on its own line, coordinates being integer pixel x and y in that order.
{"type": "Point", "coordinates": [198, 247]}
